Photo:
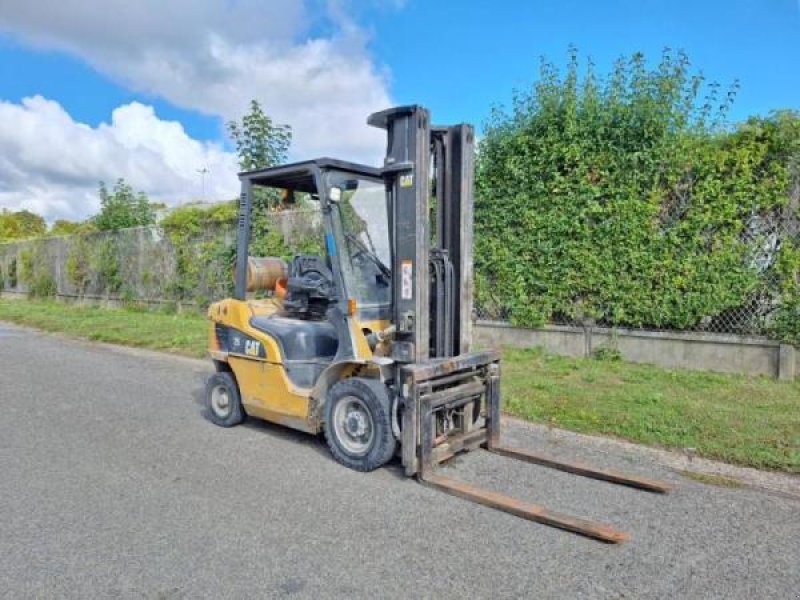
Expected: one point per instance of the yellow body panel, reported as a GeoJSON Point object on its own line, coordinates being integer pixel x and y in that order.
{"type": "Point", "coordinates": [237, 314]}
{"type": "Point", "coordinates": [268, 394]}
{"type": "Point", "coordinates": [361, 346]}
{"type": "Point", "coordinates": [265, 389]}
{"type": "Point", "coordinates": [363, 350]}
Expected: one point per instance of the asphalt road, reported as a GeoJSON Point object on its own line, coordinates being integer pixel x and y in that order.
{"type": "Point", "coordinates": [113, 484]}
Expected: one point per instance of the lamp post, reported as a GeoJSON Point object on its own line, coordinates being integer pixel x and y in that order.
{"type": "Point", "coordinates": [203, 173]}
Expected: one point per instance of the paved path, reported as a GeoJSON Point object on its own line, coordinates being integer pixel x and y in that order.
{"type": "Point", "coordinates": [112, 484]}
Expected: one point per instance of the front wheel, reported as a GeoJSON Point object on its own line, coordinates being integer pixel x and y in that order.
{"type": "Point", "coordinates": [223, 401]}
{"type": "Point", "coordinates": [358, 425]}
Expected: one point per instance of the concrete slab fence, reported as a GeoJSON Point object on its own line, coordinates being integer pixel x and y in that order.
{"type": "Point", "coordinates": [751, 355]}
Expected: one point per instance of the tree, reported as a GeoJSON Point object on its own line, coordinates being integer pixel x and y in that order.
{"type": "Point", "coordinates": [122, 208]}
{"type": "Point", "coordinates": [31, 224]}
{"type": "Point", "coordinates": [9, 226]}
{"type": "Point", "coordinates": [259, 141]}
{"type": "Point", "coordinates": [21, 224]}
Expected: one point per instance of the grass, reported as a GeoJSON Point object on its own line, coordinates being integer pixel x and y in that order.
{"type": "Point", "coordinates": [744, 420]}
{"type": "Point", "coordinates": [177, 333]}
{"type": "Point", "coordinates": [711, 479]}
{"type": "Point", "coordinates": [752, 421]}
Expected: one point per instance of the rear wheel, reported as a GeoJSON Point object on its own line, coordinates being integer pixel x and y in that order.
{"type": "Point", "coordinates": [222, 400]}
{"type": "Point", "coordinates": [358, 425]}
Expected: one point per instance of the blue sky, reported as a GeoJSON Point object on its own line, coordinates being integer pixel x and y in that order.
{"type": "Point", "coordinates": [461, 61]}
{"type": "Point", "coordinates": [85, 94]}
{"type": "Point", "coordinates": [153, 96]}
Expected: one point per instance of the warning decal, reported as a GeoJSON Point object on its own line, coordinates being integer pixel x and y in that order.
{"type": "Point", "coordinates": [406, 280]}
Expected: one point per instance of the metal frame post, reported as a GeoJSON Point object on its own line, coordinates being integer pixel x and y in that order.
{"type": "Point", "coordinates": [493, 407]}
{"type": "Point", "coordinates": [406, 168]}
{"type": "Point", "coordinates": [454, 150]}
{"type": "Point", "coordinates": [243, 240]}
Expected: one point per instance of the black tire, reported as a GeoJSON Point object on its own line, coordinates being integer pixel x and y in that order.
{"type": "Point", "coordinates": [222, 400]}
{"type": "Point", "coordinates": [358, 404]}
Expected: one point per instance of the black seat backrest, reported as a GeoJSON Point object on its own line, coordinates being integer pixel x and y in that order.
{"type": "Point", "coordinates": [300, 339]}
{"type": "Point", "coordinates": [309, 288]}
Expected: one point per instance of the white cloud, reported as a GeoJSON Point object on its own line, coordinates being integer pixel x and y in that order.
{"type": "Point", "coordinates": [216, 55]}
{"type": "Point", "coordinates": [51, 164]}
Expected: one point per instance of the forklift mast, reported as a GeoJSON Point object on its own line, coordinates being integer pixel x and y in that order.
{"type": "Point", "coordinates": [444, 386]}
{"type": "Point", "coordinates": [453, 160]}
{"type": "Point", "coordinates": [433, 285]}
{"type": "Point", "coordinates": [439, 381]}
{"type": "Point", "coordinates": [406, 172]}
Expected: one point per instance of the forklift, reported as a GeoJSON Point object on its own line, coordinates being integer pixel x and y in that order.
{"type": "Point", "coordinates": [370, 343]}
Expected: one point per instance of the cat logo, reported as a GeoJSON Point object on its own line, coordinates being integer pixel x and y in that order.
{"type": "Point", "coordinates": [252, 348]}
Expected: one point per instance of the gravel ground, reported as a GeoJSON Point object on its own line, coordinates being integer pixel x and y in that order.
{"type": "Point", "coordinates": [113, 484]}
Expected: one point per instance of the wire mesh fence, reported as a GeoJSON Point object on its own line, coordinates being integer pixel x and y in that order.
{"type": "Point", "coordinates": [149, 264]}
{"type": "Point", "coordinates": [755, 312]}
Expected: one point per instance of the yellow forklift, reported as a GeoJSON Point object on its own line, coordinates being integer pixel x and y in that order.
{"type": "Point", "coordinates": [370, 342]}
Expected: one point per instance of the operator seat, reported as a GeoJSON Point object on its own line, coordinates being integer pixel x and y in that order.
{"type": "Point", "coordinates": [306, 346]}
{"type": "Point", "coordinates": [299, 339]}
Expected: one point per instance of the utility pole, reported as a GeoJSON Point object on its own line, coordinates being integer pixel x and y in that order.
{"type": "Point", "coordinates": [203, 173]}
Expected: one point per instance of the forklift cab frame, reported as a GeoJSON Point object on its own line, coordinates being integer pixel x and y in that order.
{"type": "Point", "coordinates": [360, 260]}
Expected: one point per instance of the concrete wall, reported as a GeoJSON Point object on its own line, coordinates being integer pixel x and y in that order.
{"type": "Point", "coordinates": [699, 351]}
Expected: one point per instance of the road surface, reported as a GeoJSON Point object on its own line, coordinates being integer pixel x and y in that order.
{"type": "Point", "coordinates": [113, 484]}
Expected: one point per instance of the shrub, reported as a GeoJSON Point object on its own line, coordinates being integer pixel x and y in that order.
{"type": "Point", "coordinates": [627, 200]}
{"type": "Point", "coordinates": [42, 286]}
{"type": "Point", "coordinates": [34, 272]}
{"type": "Point", "coordinates": [105, 261]}
{"type": "Point", "coordinates": [12, 273]}
{"type": "Point", "coordinates": [78, 263]}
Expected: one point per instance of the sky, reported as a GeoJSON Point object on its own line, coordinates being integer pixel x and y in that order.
{"type": "Point", "coordinates": [93, 90]}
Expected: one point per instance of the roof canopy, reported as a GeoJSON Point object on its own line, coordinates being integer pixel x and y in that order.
{"type": "Point", "coordinates": [300, 176]}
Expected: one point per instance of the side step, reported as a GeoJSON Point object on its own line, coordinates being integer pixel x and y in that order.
{"type": "Point", "coordinates": [525, 510]}
{"type": "Point", "coordinates": [642, 483]}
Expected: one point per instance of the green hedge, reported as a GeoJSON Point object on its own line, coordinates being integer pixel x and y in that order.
{"type": "Point", "coordinates": [627, 201]}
